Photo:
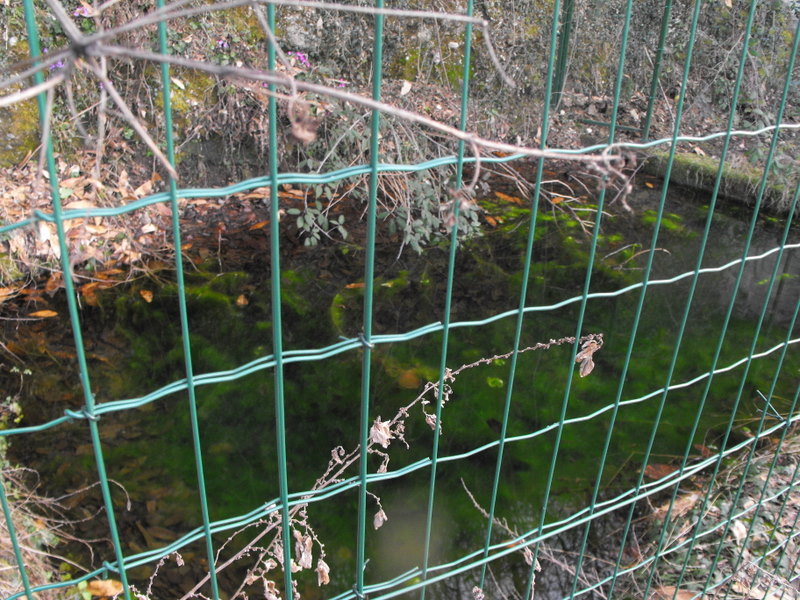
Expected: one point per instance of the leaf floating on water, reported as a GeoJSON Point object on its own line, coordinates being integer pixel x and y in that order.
{"type": "Point", "coordinates": [43, 314]}
{"type": "Point", "coordinates": [7, 292]}
{"type": "Point", "coordinates": [704, 451]}
{"type": "Point", "coordinates": [104, 587]}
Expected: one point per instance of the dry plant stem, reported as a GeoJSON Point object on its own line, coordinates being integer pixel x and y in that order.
{"type": "Point", "coordinates": [341, 461]}
{"type": "Point", "coordinates": [101, 114]}
{"type": "Point", "coordinates": [73, 109]}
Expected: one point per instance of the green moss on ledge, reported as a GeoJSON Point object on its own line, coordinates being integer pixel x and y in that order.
{"type": "Point", "coordinates": [738, 184]}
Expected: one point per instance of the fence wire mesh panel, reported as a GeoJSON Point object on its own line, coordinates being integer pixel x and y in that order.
{"type": "Point", "coordinates": [435, 299]}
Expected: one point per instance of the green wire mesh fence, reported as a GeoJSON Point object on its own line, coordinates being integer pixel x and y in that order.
{"type": "Point", "coordinates": [752, 533]}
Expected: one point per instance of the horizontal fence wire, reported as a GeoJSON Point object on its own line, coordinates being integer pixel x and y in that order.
{"type": "Point", "coordinates": [473, 565]}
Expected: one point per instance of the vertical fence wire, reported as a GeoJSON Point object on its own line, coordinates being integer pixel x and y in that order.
{"type": "Point", "coordinates": [369, 280]}
{"type": "Point", "coordinates": [655, 78]}
{"type": "Point", "coordinates": [183, 311]}
{"type": "Point", "coordinates": [277, 323]}
{"type": "Point", "coordinates": [45, 106]}
{"type": "Point", "coordinates": [12, 536]}
{"type": "Point", "coordinates": [688, 305]}
{"type": "Point", "coordinates": [636, 319]}
{"type": "Point", "coordinates": [451, 262]}
{"type": "Point", "coordinates": [548, 97]}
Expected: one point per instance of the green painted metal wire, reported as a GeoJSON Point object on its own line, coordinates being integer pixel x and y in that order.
{"type": "Point", "coordinates": [473, 563]}
{"type": "Point", "coordinates": [183, 312]}
{"type": "Point", "coordinates": [451, 265]}
{"type": "Point", "coordinates": [72, 306]}
{"type": "Point", "coordinates": [369, 288]}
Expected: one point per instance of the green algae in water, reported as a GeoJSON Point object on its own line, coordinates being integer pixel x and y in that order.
{"type": "Point", "coordinates": [237, 423]}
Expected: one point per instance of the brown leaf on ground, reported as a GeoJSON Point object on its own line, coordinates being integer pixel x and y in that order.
{"type": "Point", "coordinates": [668, 592]}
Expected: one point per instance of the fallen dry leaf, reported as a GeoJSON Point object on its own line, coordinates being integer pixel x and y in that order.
{"type": "Point", "coordinates": [104, 587]}
{"type": "Point", "coordinates": [507, 198]}
{"type": "Point", "coordinates": [658, 470]}
{"type": "Point", "coordinates": [80, 205]}
{"type": "Point", "coordinates": [667, 592]}
{"type": "Point", "coordinates": [43, 314]}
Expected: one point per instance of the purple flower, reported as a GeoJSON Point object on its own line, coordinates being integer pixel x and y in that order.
{"type": "Point", "coordinates": [82, 11]}
{"type": "Point", "coordinates": [301, 58]}
{"type": "Point", "coordinates": [223, 44]}
{"type": "Point", "coordinates": [59, 64]}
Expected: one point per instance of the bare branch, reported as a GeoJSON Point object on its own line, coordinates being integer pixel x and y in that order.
{"type": "Point", "coordinates": [32, 91]}
{"type": "Point", "coordinates": [67, 24]}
